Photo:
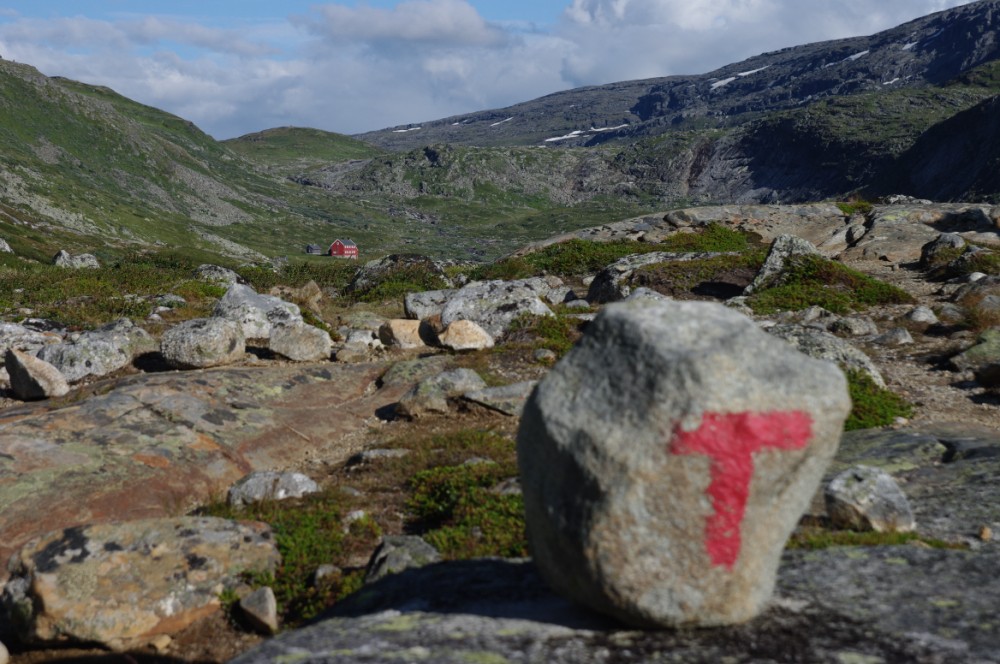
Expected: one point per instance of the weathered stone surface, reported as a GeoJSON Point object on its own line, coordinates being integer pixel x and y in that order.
{"type": "Point", "coordinates": [867, 498]}
{"type": "Point", "coordinates": [425, 304]}
{"type": "Point", "coordinates": [217, 274]}
{"type": "Point", "coordinates": [783, 249]}
{"type": "Point", "coordinates": [203, 342]}
{"type": "Point", "coordinates": [309, 294]}
{"type": "Point", "coordinates": [399, 553]}
{"type": "Point", "coordinates": [493, 305]}
{"type": "Point", "coordinates": [920, 607]}
{"type": "Point", "coordinates": [985, 351]}
{"type": "Point", "coordinates": [853, 326]}
{"type": "Point", "coordinates": [431, 394]}
{"type": "Point", "coordinates": [65, 259]}
{"type": "Point", "coordinates": [256, 314]}
{"type": "Point", "coordinates": [20, 337]}
{"type": "Point", "coordinates": [922, 315]}
{"type": "Point", "coordinates": [613, 283]}
{"type": "Point", "coordinates": [898, 233]}
{"type": "Point", "coordinates": [507, 399]}
{"type": "Point", "coordinates": [401, 333]}
{"type": "Point", "coordinates": [465, 335]}
{"type": "Point", "coordinates": [260, 608]}
{"type": "Point", "coordinates": [300, 342]}
{"type": "Point", "coordinates": [269, 485]}
{"type": "Point", "coordinates": [897, 336]}
{"type": "Point", "coordinates": [160, 444]}
{"type": "Point", "coordinates": [121, 585]}
{"type": "Point", "coordinates": [377, 271]}
{"type": "Point", "coordinates": [100, 352]}
{"type": "Point", "coordinates": [625, 446]}
{"type": "Point", "coordinates": [32, 378]}
{"type": "Point", "coordinates": [822, 345]}
{"type": "Point", "coordinates": [360, 346]}
{"type": "Point", "coordinates": [5, 248]}
{"type": "Point", "coordinates": [944, 243]}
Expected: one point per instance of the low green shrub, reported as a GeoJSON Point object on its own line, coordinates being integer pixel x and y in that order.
{"type": "Point", "coordinates": [873, 406]}
{"type": "Point", "coordinates": [557, 333]}
{"type": "Point", "coordinates": [398, 282]}
{"type": "Point", "coordinates": [819, 538]}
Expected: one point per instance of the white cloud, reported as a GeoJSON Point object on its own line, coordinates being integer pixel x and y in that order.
{"type": "Point", "coordinates": [356, 68]}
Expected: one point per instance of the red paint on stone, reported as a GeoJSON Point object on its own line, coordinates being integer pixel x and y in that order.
{"type": "Point", "coordinates": [730, 441]}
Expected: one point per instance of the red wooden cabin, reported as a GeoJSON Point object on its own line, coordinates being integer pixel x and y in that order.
{"type": "Point", "coordinates": [344, 249]}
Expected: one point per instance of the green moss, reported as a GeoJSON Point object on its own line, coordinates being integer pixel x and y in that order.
{"type": "Point", "coordinates": [681, 278]}
{"type": "Point", "coordinates": [556, 333]}
{"type": "Point", "coordinates": [815, 281]}
{"type": "Point", "coordinates": [855, 207]}
{"type": "Point", "coordinates": [873, 406]}
{"type": "Point", "coordinates": [813, 538]}
{"type": "Point", "coordinates": [398, 282]}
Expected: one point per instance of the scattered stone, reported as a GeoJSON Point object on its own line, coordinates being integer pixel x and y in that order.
{"type": "Point", "coordinates": [216, 274]}
{"type": "Point", "coordinates": [401, 333]}
{"type": "Point", "coordinates": [360, 346]}
{"type": "Point", "coordinates": [922, 316]}
{"type": "Point", "coordinates": [100, 352]}
{"type": "Point", "coordinates": [822, 345]}
{"type": "Point", "coordinates": [431, 395]}
{"type": "Point", "coordinates": [643, 293]}
{"type": "Point", "coordinates": [508, 399]}
{"type": "Point", "coordinates": [309, 294]}
{"type": "Point", "coordinates": [897, 336]}
{"type": "Point", "coordinates": [260, 608]}
{"type": "Point", "coordinates": [203, 342]}
{"type": "Point", "coordinates": [545, 355]}
{"type": "Point", "coordinates": [946, 243]}
{"type": "Point", "coordinates": [324, 573]}
{"type": "Point", "coordinates": [32, 378]}
{"type": "Point", "coordinates": [973, 277]}
{"type": "Point", "coordinates": [256, 314]}
{"type": "Point", "coordinates": [5, 248]}
{"type": "Point", "coordinates": [122, 585]}
{"type": "Point", "coordinates": [399, 553]}
{"type": "Point", "coordinates": [368, 456]}
{"type": "Point", "coordinates": [578, 304]}
{"type": "Point", "coordinates": [853, 326]}
{"type": "Point", "coordinates": [855, 232]}
{"type": "Point", "coordinates": [865, 498]}
{"type": "Point", "coordinates": [782, 250]}
{"type": "Point", "coordinates": [614, 282]}
{"type": "Point", "coordinates": [65, 259]}
{"type": "Point", "coordinates": [269, 485]}
{"type": "Point", "coordinates": [465, 335]}
{"type": "Point", "coordinates": [493, 305]}
{"type": "Point", "coordinates": [422, 305]}
{"type": "Point", "coordinates": [637, 482]}
{"type": "Point", "coordinates": [170, 301]}
{"type": "Point", "coordinates": [300, 342]}
{"type": "Point", "coordinates": [21, 337]}
{"type": "Point", "coordinates": [161, 643]}
{"type": "Point", "coordinates": [985, 351]}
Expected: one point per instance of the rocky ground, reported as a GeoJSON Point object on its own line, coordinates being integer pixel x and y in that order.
{"type": "Point", "coordinates": [167, 441]}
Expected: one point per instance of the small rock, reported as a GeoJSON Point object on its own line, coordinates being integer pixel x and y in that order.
{"type": "Point", "coordinates": [782, 249]}
{"type": "Point", "coordinates": [985, 534]}
{"type": "Point", "coordinates": [854, 326]}
{"type": "Point", "coordinates": [545, 355]}
{"type": "Point", "coordinates": [945, 242]}
{"type": "Point", "coordinates": [255, 314]}
{"type": "Point", "coordinates": [5, 249]}
{"type": "Point", "coordinates": [465, 335]}
{"type": "Point", "coordinates": [203, 342]}
{"type": "Point", "coordinates": [431, 395]}
{"type": "Point", "coordinates": [985, 351]}
{"type": "Point", "coordinates": [159, 643]}
{"type": "Point", "coordinates": [368, 456]}
{"type": "Point", "coordinates": [822, 345]}
{"type": "Point", "coordinates": [922, 315]}
{"type": "Point", "coordinates": [260, 608]}
{"type": "Point", "coordinates": [973, 277]}
{"type": "Point", "coordinates": [422, 305]}
{"type": "Point", "coordinates": [216, 274]}
{"type": "Point", "coordinates": [508, 399]}
{"type": "Point", "coordinates": [67, 260]}
{"type": "Point", "coordinates": [401, 333]}
{"type": "Point", "coordinates": [99, 352]}
{"type": "Point", "coordinates": [32, 378]}
{"type": "Point", "coordinates": [897, 336]}
{"type": "Point", "coordinates": [269, 485]}
{"type": "Point", "coordinates": [865, 498]}
{"type": "Point", "coordinates": [855, 232]}
{"type": "Point", "coordinates": [399, 553]}
{"type": "Point", "coordinates": [325, 572]}
{"type": "Point", "coordinates": [300, 342]}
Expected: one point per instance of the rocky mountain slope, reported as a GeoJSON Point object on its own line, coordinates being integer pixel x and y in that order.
{"type": "Point", "coordinates": [391, 428]}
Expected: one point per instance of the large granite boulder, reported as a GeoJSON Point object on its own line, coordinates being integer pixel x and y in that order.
{"type": "Point", "coordinates": [823, 345]}
{"type": "Point", "coordinates": [256, 314]}
{"type": "Point", "coordinates": [783, 249]}
{"type": "Point", "coordinates": [301, 342]}
{"type": "Point", "coordinates": [203, 342]}
{"type": "Point", "coordinates": [21, 337]}
{"type": "Point", "coordinates": [99, 352]}
{"type": "Point", "coordinates": [493, 305]}
{"type": "Point", "coordinates": [657, 488]}
{"type": "Point", "coordinates": [122, 585]}
{"type": "Point", "coordinates": [64, 259]}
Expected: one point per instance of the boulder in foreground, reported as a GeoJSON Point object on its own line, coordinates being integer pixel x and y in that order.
{"type": "Point", "coordinates": [667, 458]}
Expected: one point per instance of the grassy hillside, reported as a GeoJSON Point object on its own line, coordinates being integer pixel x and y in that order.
{"type": "Point", "coordinates": [297, 149]}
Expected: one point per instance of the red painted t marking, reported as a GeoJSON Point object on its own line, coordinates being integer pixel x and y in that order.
{"type": "Point", "coordinates": [730, 441]}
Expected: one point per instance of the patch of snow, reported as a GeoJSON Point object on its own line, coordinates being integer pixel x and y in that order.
{"type": "Point", "coordinates": [895, 80]}
{"type": "Point", "coordinates": [403, 131]}
{"type": "Point", "coordinates": [582, 132]}
{"type": "Point", "coordinates": [909, 47]}
{"type": "Point", "coordinates": [572, 134]}
{"type": "Point", "coordinates": [621, 126]}
{"type": "Point", "coordinates": [497, 124]}
{"type": "Point", "coordinates": [456, 124]}
{"type": "Point", "coordinates": [856, 56]}
{"type": "Point", "coordinates": [725, 81]}
{"type": "Point", "coordinates": [753, 71]}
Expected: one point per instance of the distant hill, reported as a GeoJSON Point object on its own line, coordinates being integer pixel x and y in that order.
{"type": "Point", "coordinates": [295, 149]}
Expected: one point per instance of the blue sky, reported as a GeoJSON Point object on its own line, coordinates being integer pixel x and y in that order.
{"type": "Point", "coordinates": [237, 66]}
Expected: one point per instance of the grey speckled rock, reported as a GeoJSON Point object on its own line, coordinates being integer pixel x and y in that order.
{"type": "Point", "coordinates": [431, 394]}
{"type": "Point", "coordinates": [985, 351]}
{"type": "Point", "coordinates": [260, 608]}
{"type": "Point", "coordinates": [638, 452]}
{"type": "Point", "coordinates": [217, 274]}
{"type": "Point", "coordinates": [507, 399]}
{"type": "Point", "coordinates": [122, 585]}
{"type": "Point", "coordinates": [300, 342]}
{"type": "Point", "coordinates": [100, 352]}
{"type": "Point", "coordinates": [32, 378]}
{"type": "Point", "coordinates": [493, 305]}
{"type": "Point", "coordinates": [269, 485]}
{"type": "Point", "coordinates": [867, 498]}
{"type": "Point", "coordinates": [19, 337]}
{"type": "Point", "coordinates": [465, 335]}
{"type": "Point", "coordinates": [65, 259]}
{"type": "Point", "coordinates": [422, 305]}
{"type": "Point", "coordinates": [256, 314]}
{"type": "Point", "coordinates": [824, 346]}
{"type": "Point", "coordinates": [203, 342]}
{"type": "Point", "coordinates": [398, 553]}
{"type": "Point", "coordinates": [782, 250]}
